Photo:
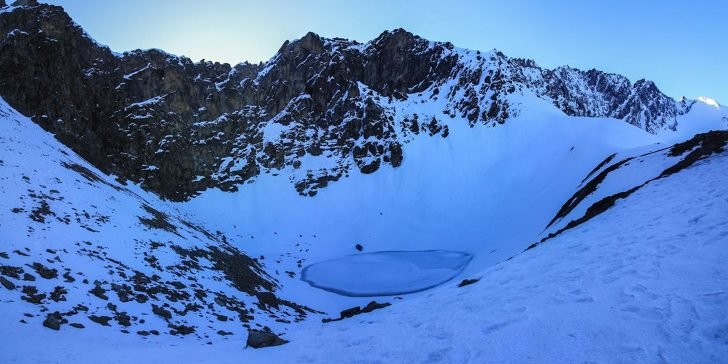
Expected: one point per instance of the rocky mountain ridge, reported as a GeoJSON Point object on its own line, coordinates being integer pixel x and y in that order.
{"type": "Point", "coordinates": [318, 110]}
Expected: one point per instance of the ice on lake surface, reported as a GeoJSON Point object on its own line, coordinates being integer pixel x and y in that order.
{"type": "Point", "coordinates": [386, 273]}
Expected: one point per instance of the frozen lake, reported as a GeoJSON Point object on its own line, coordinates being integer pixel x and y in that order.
{"type": "Point", "coordinates": [386, 273]}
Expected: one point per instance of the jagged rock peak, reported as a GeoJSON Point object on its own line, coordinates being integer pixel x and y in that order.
{"type": "Point", "coordinates": [310, 43]}
{"type": "Point", "coordinates": [399, 39]}
{"type": "Point", "coordinates": [25, 3]}
{"type": "Point", "coordinates": [398, 34]}
{"type": "Point", "coordinates": [646, 85]}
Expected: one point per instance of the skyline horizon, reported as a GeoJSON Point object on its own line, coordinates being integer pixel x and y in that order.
{"type": "Point", "coordinates": [223, 43]}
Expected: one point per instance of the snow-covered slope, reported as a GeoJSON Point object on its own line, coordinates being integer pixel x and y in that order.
{"type": "Point", "coordinates": [705, 115]}
{"type": "Point", "coordinates": [622, 174]}
{"type": "Point", "coordinates": [645, 281]}
{"type": "Point", "coordinates": [77, 247]}
{"type": "Point", "coordinates": [488, 192]}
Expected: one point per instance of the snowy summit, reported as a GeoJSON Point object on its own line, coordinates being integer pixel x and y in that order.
{"type": "Point", "coordinates": [709, 101]}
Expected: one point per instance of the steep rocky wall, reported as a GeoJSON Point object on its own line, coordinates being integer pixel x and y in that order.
{"type": "Point", "coordinates": [179, 127]}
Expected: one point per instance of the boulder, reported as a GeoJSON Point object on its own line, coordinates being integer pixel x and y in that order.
{"type": "Point", "coordinates": [54, 321]}
{"type": "Point", "coordinates": [161, 311]}
{"type": "Point", "coordinates": [263, 338]}
{"type": "Point", "coordinates": [101, 320]}
{"type": "Point", "coordinates": [467, 282]}
{"type": "Point", "coordinates": [6, 283]}
{"type": "Point", "coordinates": [374, 305]}
{"type": "Point", "coordinates": [45, 272]}
{"type": "Point", "coordinates": [351, 312]}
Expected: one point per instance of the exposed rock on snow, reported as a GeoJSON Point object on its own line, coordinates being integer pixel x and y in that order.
{"type": "Point", "coordinates": [691, 151]}
{"type": "Point", "coordinates": [88, 249]}
{"type": "Point", "coordinates": [351, 312]}
{"type": "Point", "coordinates": [54, 321]}
{"type": "Point", "coordinates": [467, 282]}
{"type": "Point", "coordinates": [263, 338]}
{"type": "Point", "coordinates": [6, 283]}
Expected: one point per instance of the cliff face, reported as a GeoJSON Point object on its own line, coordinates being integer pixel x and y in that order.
{"type": "Point", "coordinates": [179, 127]}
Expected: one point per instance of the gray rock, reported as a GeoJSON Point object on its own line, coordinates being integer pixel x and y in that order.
{"type": "Point", "coordinates": [6, 283]}
{"type": "Point", "coordinates": [54, 321]}
{"type": "Point", "coordinates": [467, 282]}
{"type": "Point", "coordinates": [25, 3]}
{"type": "Point", "coordinates": [98, 291]}
{"type": "Point", "coordinates": [45, 272]}
{"type": "Point", "coordinates": [161, 311]}
{"type": "Point", "coordinates": [101, 320]}
{"type": "Point", "coordinates": [263, 338]}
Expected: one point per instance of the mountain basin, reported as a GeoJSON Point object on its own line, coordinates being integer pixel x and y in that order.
{"type": "Point", "coordinates": [386, 273]}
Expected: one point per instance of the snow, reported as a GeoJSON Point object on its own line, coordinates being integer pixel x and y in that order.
{"type": "Point", "coordinates": [644, 282]}
{"type": "Point", "coordinates": [386, 273]}
{"type": "Point", "coordinates": [647, 163]}
{"type": "Point", "coordinates": [485, 191]}
{"type": "Point", "coordinates": [16, 32]}
{"type": "Point", "coordinates": [9, 8]}
{"type": "Point", "coordinates": [703, 116]}
{"type": "Point", "coordinates": [59, 210]}
{"type": "Point", "coordinates": [132, 74]}
{"type": "Point", "coordinates": [150, 101]}
{"type": "Point", "coordinates": [274, 131]}
{"type": "Point", "coordinates": [620, 288]}
{"type": "Point", "coordinates": [267, 68]}
{"type": "Point", "coordinates": [709, 101]}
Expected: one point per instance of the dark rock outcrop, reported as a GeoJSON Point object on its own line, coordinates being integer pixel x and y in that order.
{"type": "Point", "coordinates": [54, 321]}
{"type": "Point", "coordinates": [101, 320]}
{"type": "Point", "coordinates": [693, 150]}
{"type": "Point", "coordinates": [45, 272]}
{"type": "Point", "coordinates": [180, 127]}
{"type": "Point", "coordinates": [354, 311]}
{"type": "Point", "coordinates": [6, 283]}
{"type": "Point", "coordinates": [263, 338]}
{"type": "Point", "coordinates": [467, 282]}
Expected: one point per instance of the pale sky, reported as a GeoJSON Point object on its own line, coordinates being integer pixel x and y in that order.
{"type": "Point", "coordinates": [681, 45]}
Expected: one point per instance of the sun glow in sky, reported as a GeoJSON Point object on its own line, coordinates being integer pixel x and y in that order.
{"type": "Point", "coordinates": [681, 45]}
